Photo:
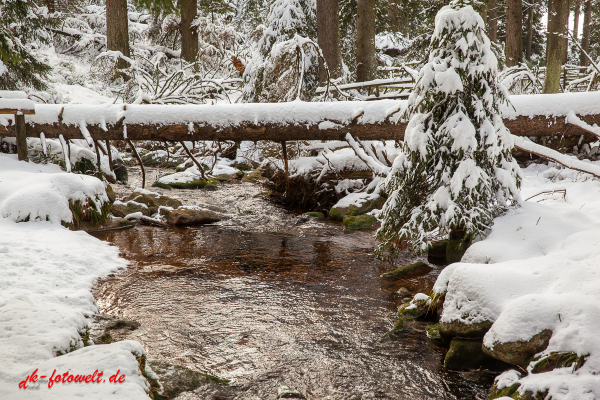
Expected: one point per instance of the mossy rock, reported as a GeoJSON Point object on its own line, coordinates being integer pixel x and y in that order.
{"type": "Point", "coordinates": [254, 176]}
{"type": "Point", "coordinates": [122, 210]}
{"type": "Point", "coordinates": [458, 244]}
{"type": "Point", "coordinates": [360, 222]}
{"type": "Point", "coordinates": [366, 205]}
{"type": "Point", "coordinates": [312, 215]}
{"type": "Point", "coordinates": [110, 193]}
{"type": "Point", "coordinates": [403, 324]}
{"type": "Point", "coordinates": [520, 352]}
{"type": "Point", "coordinates": [194, 184]}
{"type": "Point", "coordinates": [408, 271]}
{"type": "Point", "coordinates": [437, 251]}
{"type": "Point", "coordinates": [176, 380]}
{"type": "Point", "coordinates": [466, 354]}
{"type": "Point", "coordinates": [211, 187]}
{"type": "Point", "coordinates": [433, 332]}
{"type": "Point", "coordinates": [453, 329]}
{"type": "Point", "coordinates": [154, 201]}
{"type": "Point", "coordinates": [186, 216]}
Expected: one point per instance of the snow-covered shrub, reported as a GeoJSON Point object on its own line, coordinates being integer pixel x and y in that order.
{"type": "Point", "coordinates": [456, 171]}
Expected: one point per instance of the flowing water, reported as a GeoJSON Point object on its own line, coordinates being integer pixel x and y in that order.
{"type": "Point", "coordinates": [264, 302]}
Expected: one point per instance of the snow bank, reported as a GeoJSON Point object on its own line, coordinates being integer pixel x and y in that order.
{"type": "Point", "coordinates": [44, 301]}
{"type": "Point", "coordinates": [538, 269]}
{"type": "Point", "coordinates": [42, 192]}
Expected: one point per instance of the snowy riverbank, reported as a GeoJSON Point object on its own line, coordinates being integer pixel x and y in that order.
{"type": "Point", "coordinates": [536, 271]}
{"type": "Point", "coordinates": [45, 299]}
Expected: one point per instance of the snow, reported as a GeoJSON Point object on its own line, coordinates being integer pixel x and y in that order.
{"type": "Point", "coordinates": [538, 269]}
{"type": "Point", "coordinates": [45, 299]}
{"type": "Point", "coordinates": [43, 192]}
{"type": "Point", "coordinates": [19, 104]}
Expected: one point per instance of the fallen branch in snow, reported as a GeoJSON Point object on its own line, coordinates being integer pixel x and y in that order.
{"type": "Point", "coordinates": [370, 160]}
{"type": "Point", "coordinates": [544, 152]}
{"type": "Point", "coordinates": [561, 191]}
{"type": "Point", "coordinates": [135, 153]}
{"type": "Point", "coordinates": [573, 119]}
{"type": "Point", "coordinates": [198, 165]}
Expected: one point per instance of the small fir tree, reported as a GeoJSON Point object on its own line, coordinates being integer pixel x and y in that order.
{"type": "Point", "coordinates": [290, 21]}
{"type": "Point", "coordinates": [455, 171]}
{"type": "Point", "coordinates": [23, 26]}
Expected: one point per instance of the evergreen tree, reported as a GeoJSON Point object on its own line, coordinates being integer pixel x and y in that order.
{"type": "Point", "coordinates": [23, 26]}
{"type": "Point", "coordinates": [287, 20]}
{"type": "Point", "coordinates": [455, 171]}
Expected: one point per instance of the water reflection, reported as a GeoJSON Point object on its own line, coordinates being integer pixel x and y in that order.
{"type": "Point", "coordinates": [268, 309]}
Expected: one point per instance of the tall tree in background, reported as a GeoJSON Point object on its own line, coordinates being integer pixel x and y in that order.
{"type": "Point", "coordinates": [529, 39]}
{"type": "Point", "coordinates": [514, 33]}
{"type": "Point", "coordinates": [558, 10]}
{"type": "Point", "coordinates": [189, 34]}
{"type": "Point", "coordinates": [365, 40]}
{"type": "Point", "coordinates": [565, 47]}
{"type": "Point", "coordinates": [585, 37]}
{"type": "Point", "coordinates": [492, 21]}
{"type": "Point", "coordinates": [397, 16]}
{"type": "Point", "coordinates": [328, 36]}
{"type": "Point", "coordinates": [117, 28]}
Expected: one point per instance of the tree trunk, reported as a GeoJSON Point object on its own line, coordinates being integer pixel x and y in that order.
{"type": "Point", "coordinates": [554, 54]}
{"type": "Point", "coordinates": [189, 35]}
{"type": "Point", "coordinates": [493, 20]}
{"type": "Point", "coordinates": [529, 31]}
{"type": "Point", "coordinates": [117, 28]}
{"type": "Point", "coordinates": [576, 15]}
{"type": "Point", "coordinates": [328, 35]}
{"type": "Point", "coordinates": [585, 38]}
{"type": "Point", "coordinates": [397, 16]}
{"type": "Point", "coordinates": [365, 40]}
{"type": "Point", "coordinates": [514, 32]}
{"type": "Point", "coordinates": [566, 37]}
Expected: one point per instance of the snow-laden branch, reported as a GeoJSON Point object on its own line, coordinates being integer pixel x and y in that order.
{"type": "Point", "coordinates": [373, 164]}
{"type": "Point", "coordinates": [553, 155]}
{"type": "Point", "coordinates": [571, 118]}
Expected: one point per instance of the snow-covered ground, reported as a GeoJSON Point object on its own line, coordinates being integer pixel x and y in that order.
{"type": "Point", "coordinates": [538, 269]}
{"type": "Point", "coordinates": [45, 300]}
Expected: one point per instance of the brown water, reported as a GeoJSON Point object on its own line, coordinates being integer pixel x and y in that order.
{"type": "Point", "coordinates": [263, 309]}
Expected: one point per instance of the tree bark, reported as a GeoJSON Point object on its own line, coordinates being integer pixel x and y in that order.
{"type": "Point", "coordinates": [585, 37]}
{"type": "Point", "coordinates": [514, 32]}
{"type": "Point", "coordinates": [117, 28]}
{"type": "Point", "coordinates": [576, 17]}
{"type": "Point", "coordinates": [558, 9]}
{"type": "Point", "coordinates": [529, 39]}
{"type": "Point", "coordinates": [328, 36]}
{"type": "Point", "coordinates": [566, 37]}
{"type": "Point", "coordinates": [397, 16]}
{"type": "Point", "coordinates": [189, 35]}
{"type": "Point", "coordinates": [493, 20]}
{"type": "Point", "coordinates": [365, 40]}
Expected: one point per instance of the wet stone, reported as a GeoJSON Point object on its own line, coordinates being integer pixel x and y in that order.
{"type": "Point", "coordinates": [186, 216]}
{"type": "Point", "coordinates": [408, 271]}
{"type": "Point", "coordinates": [287, 392]}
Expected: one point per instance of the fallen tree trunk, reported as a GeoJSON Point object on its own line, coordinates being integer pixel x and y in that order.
{"type": "Point", "coordinates": [540, 126]}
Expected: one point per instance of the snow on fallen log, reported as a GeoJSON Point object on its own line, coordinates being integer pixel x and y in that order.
{"type": "Point", "coordinates": [553, 155]}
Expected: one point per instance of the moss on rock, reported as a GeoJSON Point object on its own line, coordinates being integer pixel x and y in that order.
{"type": "Point", "coordinates": [360, 222]}
{"type": "Point", "coordinates": [408, 271]}
{"type": "Point", "coordinates": [466, 354]}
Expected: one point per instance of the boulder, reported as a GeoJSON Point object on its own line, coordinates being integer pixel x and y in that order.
{"type": "Point", "coordinates": [520, 353]}
{"type": "Point", "coordinates": [110, 193]}
{"type": "Point", "coordinates": [408, 271]}
{"type": "Point", "coordinates": [120, 171]}
{"type": "Point", "coordinates": [437, 251]}
{"type": "Point", "coordinates": [355, 204]}
{"type": "Point", "coordinates": [417, 307]}
{"type": "Point", "coordinates": [288, 392]}
{"type": "Point", "coordinates": [360, 222]}
{"type": "Point", "coordinates": [466, 354]}
{"type": "Point", "coordinates": [458, 243]}
{"type": "Point", "coordinates": [120, 209]}
{"type": "Point", "coordinates": [457, 328]}
{"type": "Point", "coordinates": [253, 176]}
{"type": "Point", "coordinates": [403, 292]}
{"type": "Point", "coordinates": [154, 200]}
{"type": "Point", "coordinates": [187, 216]}
{"type": "Point", "coordinates": [559, 359]}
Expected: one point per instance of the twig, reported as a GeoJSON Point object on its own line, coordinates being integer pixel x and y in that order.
{"type": "Point", "coordinates": [135, 153]}
{"type": "Point", "coordinates": [194, 160]}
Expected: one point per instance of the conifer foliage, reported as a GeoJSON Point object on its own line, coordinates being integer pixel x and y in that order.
{"type": "Point", "coordinates": [456, 171]}
{"type": "Point", "coordinates": [23, 24]}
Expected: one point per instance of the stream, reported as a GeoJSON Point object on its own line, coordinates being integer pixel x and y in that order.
{"type": "Point", "coordinates": [265, 302]}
